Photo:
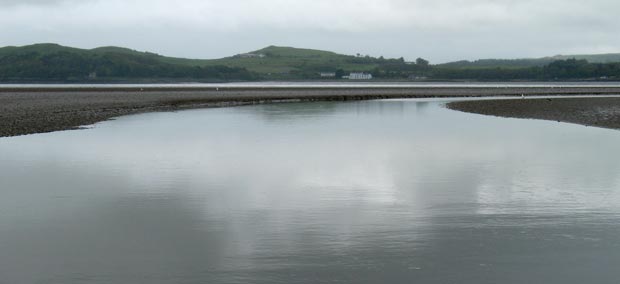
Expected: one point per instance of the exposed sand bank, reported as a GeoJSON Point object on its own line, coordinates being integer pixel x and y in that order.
{"type": "Point", "coordinates": [38, 110]}
{"type": "Point", "coordinates": [598, 112]}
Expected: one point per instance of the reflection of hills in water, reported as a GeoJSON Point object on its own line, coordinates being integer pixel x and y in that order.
{"type": "Point", "coordinates": [308, 110]}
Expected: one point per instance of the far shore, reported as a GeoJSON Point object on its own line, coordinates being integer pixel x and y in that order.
{"type": "Point", "coordinates": [45, 109]}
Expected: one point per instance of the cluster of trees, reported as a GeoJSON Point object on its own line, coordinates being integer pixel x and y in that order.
{"type": "Point", "coordinates": [570, 69]}
{"type": "Point", "coordinates": [492, 63]}
{"type": "Point", "coordinates": [73, 66]}
{"type": "Point", "coordinates": [374, 60]}
{"type": "Point", "coordinates": [383, 68]}
{"type": "Point", "coordinates": [403, 70]}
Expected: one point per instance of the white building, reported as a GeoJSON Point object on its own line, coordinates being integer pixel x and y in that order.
{"type": "Point", "coordinates": [360, 76]}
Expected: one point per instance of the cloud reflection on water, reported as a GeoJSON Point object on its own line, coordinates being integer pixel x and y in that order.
{"type": "Point", "coordinates": [359, 191]}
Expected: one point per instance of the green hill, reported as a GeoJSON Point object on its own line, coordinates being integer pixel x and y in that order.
{"type": "Point", "coordinates": [592, 58]}
{"type": "Point", "coordinates": [531, 62]}
{"type": "Point", "coordinates": [276, 61]}
{"type": "Point", "coordinates": [285, 60]}
{"type": "Point", "coordinates": [55, 63]}
{"type": "Point", "coordinates": [497, 63]}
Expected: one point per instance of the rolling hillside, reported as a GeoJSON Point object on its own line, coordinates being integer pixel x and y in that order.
{"type": "Point", "coordinates": [531, 62]}
{"type": "Point", "coordinates": [592, 58]}
{"type": "Point", "coordinates": [55, 63]}
{"type": "Point", "coordinates": [276, 60]}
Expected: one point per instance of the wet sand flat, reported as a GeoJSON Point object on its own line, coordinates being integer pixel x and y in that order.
{"type": "Point", "coordinates": [38, 110]}
{"type": "Point", "coordinates": [598, 112]}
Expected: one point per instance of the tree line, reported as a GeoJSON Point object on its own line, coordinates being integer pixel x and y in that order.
{"type": "Point", "coordinates": [570, 69]}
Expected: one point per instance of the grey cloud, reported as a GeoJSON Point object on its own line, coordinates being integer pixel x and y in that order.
{"type": "Point", "coordinates": [440, 30]}
{"type": "Point", "coordinates": [8, 3]}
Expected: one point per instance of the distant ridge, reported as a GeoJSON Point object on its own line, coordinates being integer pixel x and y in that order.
{"type": "Point", "coordinates": [592, 58]}
{"type": "Point", "coordinates": [49, 62]}
{"type": "Point", "coordinates": [296, 52]}
{"type": "Point", "coordinates": [532, 62]}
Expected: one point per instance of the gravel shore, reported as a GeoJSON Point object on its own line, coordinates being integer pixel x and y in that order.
{"type": "Point", "coordinates": [37, 110]}
{"type": "Point", "coordinates": [595, 111]}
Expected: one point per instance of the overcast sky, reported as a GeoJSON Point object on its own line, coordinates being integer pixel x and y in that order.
{"type": "Point", "coordinates": [439, 30]}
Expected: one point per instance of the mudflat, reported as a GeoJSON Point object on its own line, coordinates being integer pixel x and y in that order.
{"type": "Point", "coordinates": [592, 111]}
{"type": "Point", "coordinates": [37, 110]}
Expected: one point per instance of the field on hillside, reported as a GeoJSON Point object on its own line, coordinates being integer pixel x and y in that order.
{"type": "Point", "coordinates": [283, 60]}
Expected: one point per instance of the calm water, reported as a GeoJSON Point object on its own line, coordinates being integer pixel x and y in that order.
{"type": "Point", "coordinates": [364, 192]}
